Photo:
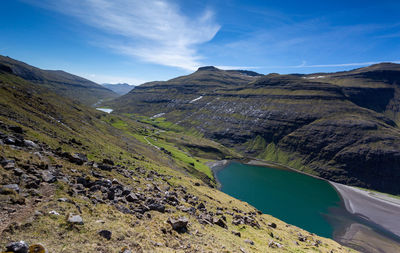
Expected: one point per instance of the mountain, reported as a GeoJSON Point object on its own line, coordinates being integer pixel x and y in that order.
{"type": "Point", "coordinates": [79, 180]}
{"type": "Point", "coordinates": [60, 82]}
{"type": "Point", "coordinates": [204, 80]}
{"type": "Point", "coordinates": [119, 88]}
{"type": "Point", "coordinates": [340, 126]}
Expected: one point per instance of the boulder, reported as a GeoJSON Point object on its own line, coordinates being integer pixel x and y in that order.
{"type": "Point", "coordinates": [201, 206]}
{"type": "Point", "coordinates": [29, 143]}
{"type": "Point", "coordinates": [220, 222]}
{"type": "Point", "coordinates": [131, 197]}
{"type": "Point", "coordinates": [78, 158]}
{"type": "Point", "coordinates": [18, 172]}
{"type": "Point", "coordinates": [16, 129]}
{"type": "Point", "coordinates": [9, 140]}
{"type": "Point", "coordinates": [157, 207]}
{"type": "Point", "coordinates": [48, 176]}
{"type": "Point", "coordinates": [53, 212]}
{"type": "Point", "coordinates": [111, 194]}
{"type": "Point", "coordinates": [180, 224]}
{"type": "Point", "coordinates": [104, 166]}
{"type": "Point", "coordinates": [272, 225]}
{"type": "Point", "coordinates": [7, 164]}
{"type": "Point", "coordinates": [75, 219]}
{"type": "Point", "coordinates": [108, 161]}
{"type": "Point", "coordinates": [205, 219]}
{"type": "Point", "coordinates": [14, 187]}
{"type": "Point", "coordinates": [274, 245]}
{"type": "Point", "coordinates": [249, 241]}
{"type": "Point", "coordinates": [106, 234]}
{"type": "Point", "coordinates": [236, 233]}
{"type": "Point", "coordinates": [31, 182]}
{"type": "Point", "coordinates": [237, 222]}
{"type": "Point", "coordinates": [17, 247]}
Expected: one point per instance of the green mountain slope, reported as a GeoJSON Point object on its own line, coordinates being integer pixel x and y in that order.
{"type": "Point", "coordinates": [340, 126]}
{"type": "Point", "coordinates": [60, 82]}
{"type": "Point", "coordinates": [78, 180]}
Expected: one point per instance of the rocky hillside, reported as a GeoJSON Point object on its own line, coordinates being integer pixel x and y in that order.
{"type": "Point", "coordinates": [60, 82]}
{"type": "Point", "coordinates": [340, 126]}
{"type": "Point", "coordinates": [73, 179]}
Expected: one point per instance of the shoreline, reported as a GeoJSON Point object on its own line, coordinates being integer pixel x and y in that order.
{"type": "Point", "coordinates": [372, 206]}
{"type": "Point", "coordinates": [215, 166]}
{"type": "Point", "coordinates": [375, 226]}
{"type": "Point", "coordinates": [375, 207]}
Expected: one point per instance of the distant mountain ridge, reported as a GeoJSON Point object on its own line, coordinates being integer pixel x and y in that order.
{"type": "Point", "coordinates": [119, 88]}
{"type": "Point", "coordinates": [341, 126]}
{"type": "Point", "coordinates": [60, 82]}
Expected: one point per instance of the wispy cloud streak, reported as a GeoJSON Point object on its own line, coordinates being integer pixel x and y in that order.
{"type": "Point", "coordinates": [353, 64]}
{"type": "Point", "coordinates": [153, 31]}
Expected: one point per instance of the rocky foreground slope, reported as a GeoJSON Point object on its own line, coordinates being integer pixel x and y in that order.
{"type": "Point", "coordinates": [73, 179]}
{"type": "Point", "coordinates": [340, 126]}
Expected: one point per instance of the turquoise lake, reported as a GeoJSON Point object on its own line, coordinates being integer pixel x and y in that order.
{"type": "Point", "coordinates": [295, 198]}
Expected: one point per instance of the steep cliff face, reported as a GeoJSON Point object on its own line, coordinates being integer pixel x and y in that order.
{"type": "Point", "coordinates": [341, 126]}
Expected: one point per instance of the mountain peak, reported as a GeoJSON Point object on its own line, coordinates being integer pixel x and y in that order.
{"type": "Point", "coordinates": [212, 68]}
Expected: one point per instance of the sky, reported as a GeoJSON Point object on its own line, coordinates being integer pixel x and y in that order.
{"type": "Point", "coordinates": [134, 41]}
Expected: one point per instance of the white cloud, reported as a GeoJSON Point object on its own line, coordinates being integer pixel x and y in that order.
{"type": "Point", "coordinates": [305, 65]}
{"type": "Point", "coordinates": [353, 64]}
{"type": "Point", "coordinates": [154, 31]}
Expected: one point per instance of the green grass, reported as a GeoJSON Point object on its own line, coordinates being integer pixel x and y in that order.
{"type": "Point", "coordinates": [383, 193]}
{"type": "Point", "coordinates": [274, 154]}
{"type": "Point", "coordinates": [183, 157]}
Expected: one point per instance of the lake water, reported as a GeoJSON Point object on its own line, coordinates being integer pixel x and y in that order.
{"type": "Point", "coordinates": [105, 110]}
{"type": "Point", "coordinates": [306, 202]}
{"type": "Point", "coordinates": [295, 198]}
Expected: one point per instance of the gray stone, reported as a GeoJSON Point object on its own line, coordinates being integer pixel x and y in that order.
{"type": "Point", "coordinates": [8, 164]}
{"type": "Point", "coordinates": [274, 245]}
{"type": "Point", "coordinates": [78, 158]}
{"type": "Point", "coordinates": [17, 247]}
{"type": "Point", "coordinates": [14, 187]}
{"type": "Point", "coordinates": [30, 143]}
{"type": "Point", "coordinates": [48, 176]}
{"type": "Point", "coordinates": [9, 141]}
{"type": "Point", "coordinates": [220, 222]}
{"type": "Point", "coordinates": [180, 224]}
{"type": "Point", "coordinates": [75, 219]}
{"type": "Point", "coordinates": [157, 207]}
{"type": "Point", "coordinates": [131, 197]}
{"type": "Point", "coordinates": [249, 241]}
{"type": "Point", "coordinates": [18, 171]}
{"type": "Point", "coordinates": [53, 212]}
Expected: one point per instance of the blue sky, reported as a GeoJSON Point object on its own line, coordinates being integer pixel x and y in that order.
{"type": "Point", "coordinates": [136, 41]}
